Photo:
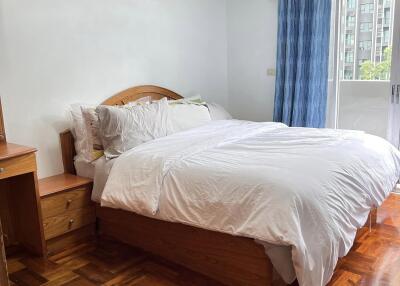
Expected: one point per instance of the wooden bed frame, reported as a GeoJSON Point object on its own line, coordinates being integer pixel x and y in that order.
{"type": "Point", "coordinates": [231, 260]}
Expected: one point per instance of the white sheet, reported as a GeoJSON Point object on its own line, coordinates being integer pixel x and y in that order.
{"type": "Point", "coordinates": [101, 172]}
{"type": "Point", "coordinates": [305, 188]}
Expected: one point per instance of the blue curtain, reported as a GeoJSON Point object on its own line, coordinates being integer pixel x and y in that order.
{"type": "Point", "coordinates": [302, 62]}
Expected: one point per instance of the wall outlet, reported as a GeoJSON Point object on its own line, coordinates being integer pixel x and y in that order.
{"type": "Point", "coordinates": [271, 72]}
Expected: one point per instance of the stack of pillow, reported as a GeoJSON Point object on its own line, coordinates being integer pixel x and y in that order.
{"type": "Point", "coordinates": [112, 130]}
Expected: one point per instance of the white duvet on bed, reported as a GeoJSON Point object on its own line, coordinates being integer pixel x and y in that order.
{"type": "Point", "coordinates": [305, 188]}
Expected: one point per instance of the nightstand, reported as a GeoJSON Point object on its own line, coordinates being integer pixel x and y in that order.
{"type": "Point", "coordinates": [68, 213]}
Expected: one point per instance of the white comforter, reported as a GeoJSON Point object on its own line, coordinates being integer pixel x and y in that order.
{"type": "Point", "coordinates": [305, 188]}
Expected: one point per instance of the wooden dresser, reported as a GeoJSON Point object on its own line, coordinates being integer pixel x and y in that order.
{"type": "Point", "coordinates": [20, 211]}
{"type": "Point", "coordinates": [68, 212]}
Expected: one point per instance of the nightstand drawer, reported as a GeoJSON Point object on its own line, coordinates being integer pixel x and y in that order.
{"type": "Point", "coordinates": [68, 221]}
{"type": "Point", "coordinates": [17, 166]}
{"type": "Point", "coordinates": [69, 200]}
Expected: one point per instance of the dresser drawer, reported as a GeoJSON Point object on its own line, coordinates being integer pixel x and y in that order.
{"type": "Point", "coordinates": [69, 200]}
{"type": "Point", "coordinates": [68, 221]}
{"type": "Point", "coordinates": [17, 166]}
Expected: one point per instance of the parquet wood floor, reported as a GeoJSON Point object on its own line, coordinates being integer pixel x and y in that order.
{"type": "Point", "coordinates": [373, 260]}
{"type": "Point", "coordinates": [375, 256]}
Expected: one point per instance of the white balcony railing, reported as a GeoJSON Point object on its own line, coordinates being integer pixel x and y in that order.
{"type": "Point", "coordinates": [363, 105]}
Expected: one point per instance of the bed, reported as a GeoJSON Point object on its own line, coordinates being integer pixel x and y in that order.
{"type": "Point", "coordinates": [230, 259]}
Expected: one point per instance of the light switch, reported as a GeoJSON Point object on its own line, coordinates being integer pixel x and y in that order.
{"type": "Point", "coordinates": [271, 72]}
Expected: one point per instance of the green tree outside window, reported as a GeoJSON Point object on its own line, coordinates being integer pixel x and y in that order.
{"type": "Point", "coordinates": [379, 71]}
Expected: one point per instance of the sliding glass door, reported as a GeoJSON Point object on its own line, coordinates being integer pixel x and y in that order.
{"type": "Point", "coordinates": [393, 130]}
{"type": "Point", "coordinates": [363, 54]}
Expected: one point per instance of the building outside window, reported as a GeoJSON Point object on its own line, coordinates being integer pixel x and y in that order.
{"type": "Point", "coordinates": [366, 27]}
{"type": "Point", "coordinates": [367, 31]}
{"type": "Point", "coordinates": [348, 74]}
{"type": "Point", "coordinates": [365, 45]}
{"type": "Point", "coordinates": [350, 20]}
{"type": "Point", "coordinates": [367, 8]}
{"type": "Point", "coordinates": [349, 57]}
{"type": "Point", "coordinates": [386, 20]}
{"type": "Point", "coordinates": [386, 36]}
{"type": "Point", "coordinates": [360, 62]}
{"type": "Point", "coordinates": [351, 4]}
{"type": "Point", "coordinates": [349, 39]}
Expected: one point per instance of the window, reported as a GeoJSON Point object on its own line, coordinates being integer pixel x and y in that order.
{"type": "Point", "coordinates": [349, 57]}
{"type": "Point", "coordinates": [366, 27]}
{"type": "Point", "coordinates": [387, 17]}
{"type": "Point", "coordinates": [360, 65]}
{"type": "Point", "coordinates": [351, 4]}
{"type": "Point", "coordinates": [386, 36]}
{"type": "Point", "coordinates": [362, 38]}
{"type": "Point", "coordinates": [365, 45]}
{"type": "Point", "coordinates": [349, 39]}
{"type": "Point", "coordinates": [350, 21]}
{"type": "Point", "coordinates": [348, 74]}
{"type": "Point", "coordinates": [367, 8]}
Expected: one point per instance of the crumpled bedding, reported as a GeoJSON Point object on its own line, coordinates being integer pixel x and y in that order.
{"type": "Point", "coordinates": [308, 189]}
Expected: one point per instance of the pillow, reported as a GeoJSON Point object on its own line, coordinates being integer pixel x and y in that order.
{"type": "Point", "coordinates": [124, 128]}
{"type": "Point", "coordinates": [183, 116]}
{"type": "Point", "coordinates": [217, 112]}
{"type": "Point", "coordinates": [78, 129]}
{"type": "Point", "coordinates": [88, 142]}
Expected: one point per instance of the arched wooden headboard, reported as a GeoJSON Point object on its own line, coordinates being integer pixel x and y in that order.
{"type": "Point", "coordinates": [131, 94]}
{"type": "Point", "coordinates": [135, 93]}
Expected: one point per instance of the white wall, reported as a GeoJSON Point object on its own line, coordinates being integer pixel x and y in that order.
{"type": "Point", "coordinates": [57, 52]}
{"type": "Point", "coordinates": [252, 33]}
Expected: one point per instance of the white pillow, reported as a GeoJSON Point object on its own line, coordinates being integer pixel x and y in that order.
{"type": "Point", "coordinates": [122, 129]}
{"type": "Point", "coordinates": [78, 128]}
{"type": "Point", "coordinates": [85, 128]}
{"type": "Point", "coordinates": [183, 116]}
{"type": "Point", "coordinates": [217, 112]}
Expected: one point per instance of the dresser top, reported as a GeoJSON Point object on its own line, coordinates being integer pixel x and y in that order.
{"type": "Point", "coordinates": [10, 150]}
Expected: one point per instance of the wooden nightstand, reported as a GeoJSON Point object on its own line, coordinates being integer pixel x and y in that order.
{"type": "Point", "coordinates": [68, 212]}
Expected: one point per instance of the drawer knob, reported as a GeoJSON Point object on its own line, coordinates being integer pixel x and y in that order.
{"type": "Point", "coordinates": [2, 170]}
{"type": "Point", "coordinates": [71, 221]}
{"type": "Point", "coordinates": [69, 202]}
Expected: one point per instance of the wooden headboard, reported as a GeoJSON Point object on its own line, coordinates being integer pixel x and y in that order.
{"type": "Point", "coordinates": [124, 97]}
